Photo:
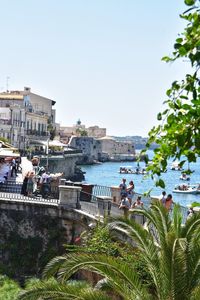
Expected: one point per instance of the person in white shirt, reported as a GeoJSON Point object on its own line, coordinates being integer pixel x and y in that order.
{"type": "Point", "coordinates": [163, 198]}
{"type": "Point", "coordinates": [45, 184]}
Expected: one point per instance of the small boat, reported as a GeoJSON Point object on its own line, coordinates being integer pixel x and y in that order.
{"type": "Point", "coordinates": [129, 170]}
{"type": "Point", "coordinates": [186, 189]}
{"type": "Point", "coordinates": [140, 171]}
{"type": "Point", "coordinates": [184, 177]}
{"type": "Point", "coordinates": [126, 170]}
{"type": "Point", "coordinates": [176, 166]}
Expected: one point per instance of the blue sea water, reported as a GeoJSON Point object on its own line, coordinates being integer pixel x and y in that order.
{"type": "Point", "coordinates": [107, 174]}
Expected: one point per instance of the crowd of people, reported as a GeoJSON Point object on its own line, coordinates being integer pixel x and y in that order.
{"type": "Point", "coordinates": [9, 168]}
{"type": "Point", "coordinates": [127, 193]}
{"type": "Point", "coordinates": [36, 183]}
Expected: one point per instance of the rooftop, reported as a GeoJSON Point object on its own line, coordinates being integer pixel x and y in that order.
{"type": "Point", "coordinates": [11, 96]}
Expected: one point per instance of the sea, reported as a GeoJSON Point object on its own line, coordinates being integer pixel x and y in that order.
{"type": "Point", "coordinates": [107, 174]}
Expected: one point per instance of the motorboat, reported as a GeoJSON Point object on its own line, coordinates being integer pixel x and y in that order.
{"type": "Point", "coordinates": [184, 177]}
{"type": "Point", "coordinates": [186, 189]}
{"type": "Point", "coordinates": [126, 170]}
{"type": "Point", "coordinates": [130, 170]}
{"type": "Point", "coordinates": [176, 166]}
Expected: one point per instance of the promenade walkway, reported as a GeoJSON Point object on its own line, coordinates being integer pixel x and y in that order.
{"type": "Point", "coordinates": [11, 190]}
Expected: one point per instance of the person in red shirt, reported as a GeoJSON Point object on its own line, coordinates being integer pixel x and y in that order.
{"type": "Point", "coordinates": [168, 202]}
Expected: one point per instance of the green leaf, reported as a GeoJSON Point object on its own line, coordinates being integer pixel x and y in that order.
{"type": "Point", "coordinates": [191, 157]}
{"type": "Point", "coordinates": [182, 51]}
{"type": "Point", "coordinates": [189, 2]}
{"type": "Point", "coordinates": [181, 140]}
{"type": "Point", "coordinates": [168, 92]}
{"type": "Point", "coordinates": [166, 58]}
{"type": "Point", "coordinates": [179, 40]}
{"type": "Point", "coordinates": [160, 183]}
{"type": "Point", "coordinates": [170, 119]}
{"type": "Point", "coordinates": [197, 142]}
{"type": "Point", "coordinates": [159, 116]}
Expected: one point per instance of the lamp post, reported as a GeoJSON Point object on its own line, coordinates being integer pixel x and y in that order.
{"type": "Point", "coordinates": [47, 150]}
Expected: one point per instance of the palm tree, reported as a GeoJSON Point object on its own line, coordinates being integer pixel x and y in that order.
{"type": "Point", "coordinates": [168, 250]}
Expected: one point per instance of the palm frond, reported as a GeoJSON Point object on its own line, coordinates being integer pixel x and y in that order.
{"type": "Point", "coordinates": [177, 220]}
{"type": "Point", "coordinates": [53, 290]}
{"type": "Point", "coordinates": [121, 276]}
{"type": "Point", "coordinates": [53, 266]}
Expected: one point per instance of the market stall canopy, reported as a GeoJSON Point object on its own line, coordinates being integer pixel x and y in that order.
{"type": "Point", "coordinates": [56, 143]}
{"type": "Point", "coordinates": [8, 153]}
{"type": "Point", "coordinates": [5, 145]}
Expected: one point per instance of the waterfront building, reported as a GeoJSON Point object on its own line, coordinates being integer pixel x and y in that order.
{"type": "Point", "coordinates": [116, 148]}
{"type": "Point", "coordinates": [25, 117]}
{"type": "Point", "coordinates": [90, 147]}
{"type": "Point", "coordinates": [80, 129]}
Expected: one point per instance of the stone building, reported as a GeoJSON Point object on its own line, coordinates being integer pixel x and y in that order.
{"type": "Point", "coordinates": [25, 117]}
{"type": "Point", "coordinates": [113, 148]}
{"type": "Point", "coordinates": [79, 129]}
{"type": "Point", "coordinates": [90, 147]}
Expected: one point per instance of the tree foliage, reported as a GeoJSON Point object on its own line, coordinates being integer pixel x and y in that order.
{"type": "Point", "coordinates": [9, 289]}
{"type": "Point", "coordinates": [169, 250]}
{"type": "Point", "coordinates": [178, 132]}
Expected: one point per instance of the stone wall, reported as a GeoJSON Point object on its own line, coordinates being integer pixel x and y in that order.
{"type": "Point", "coordinates": [65, 164]}
{"type": "Point", "coordinates": [31, 234]}
{"type": "Point", "coordinates": [90, 147]}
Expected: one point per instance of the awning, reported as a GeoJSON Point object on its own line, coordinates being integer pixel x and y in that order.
{"type": "Point", "coordinates": [56, 143]}
{"type": "Point", "coordinates": [7, 153]}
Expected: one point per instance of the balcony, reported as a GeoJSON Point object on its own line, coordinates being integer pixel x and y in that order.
{"type": "Point", "coordinates": [5, 121]}
{"type": "Point", "coordinates": [37, 134]}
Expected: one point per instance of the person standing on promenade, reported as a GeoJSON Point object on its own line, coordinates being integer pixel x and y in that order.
{"type": "Point", "coordinates": [169, 202]}
{"type": "Point", "coordinates": [138, 203]}
{"type": "Point", "coordinates": [130, 191]}
{"type": "Point", "coordinates": [123, 188]}
{"type": "Point", "coordinates": [163, 198]}
{"type": "Point", "coordinates": [24, 184]}
{"type": "Point", "coordinates": [125, 205]}
{"type": "Point", "coordinates": [13, 167]}
{"type": "Point", "coordinates": [31, 184]}
{"type": "Point", "coordinates": [190, 213]}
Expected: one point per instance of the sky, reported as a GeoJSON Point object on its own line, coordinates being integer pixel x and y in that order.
{"type": "Point", "coordinates": [100, 60]}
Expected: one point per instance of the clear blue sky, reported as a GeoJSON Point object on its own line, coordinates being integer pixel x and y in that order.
{"type": "Point", "coordinates": [100, 60]}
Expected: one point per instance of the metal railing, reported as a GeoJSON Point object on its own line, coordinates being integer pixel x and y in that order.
{"type": "Point", "coordinates": [22, 198]}
{"type": "Point", "coordinates": [89, 201]}
{"type": "Point", "coordinates": [11, 187]}
{"type": "Point", "coordinates": [99, 190]}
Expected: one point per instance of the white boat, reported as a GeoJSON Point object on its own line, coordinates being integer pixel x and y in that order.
{"type": "Point", "coordinates": [176, 166]}
{"type": "Point", "coordinates": [186, 189]}
{"type": "Point", "coordinates": [129, 170]}
{"type": "Point", "coordinates": [184, 177]}
{"type": "Point", "coordinates": [126, 170]}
